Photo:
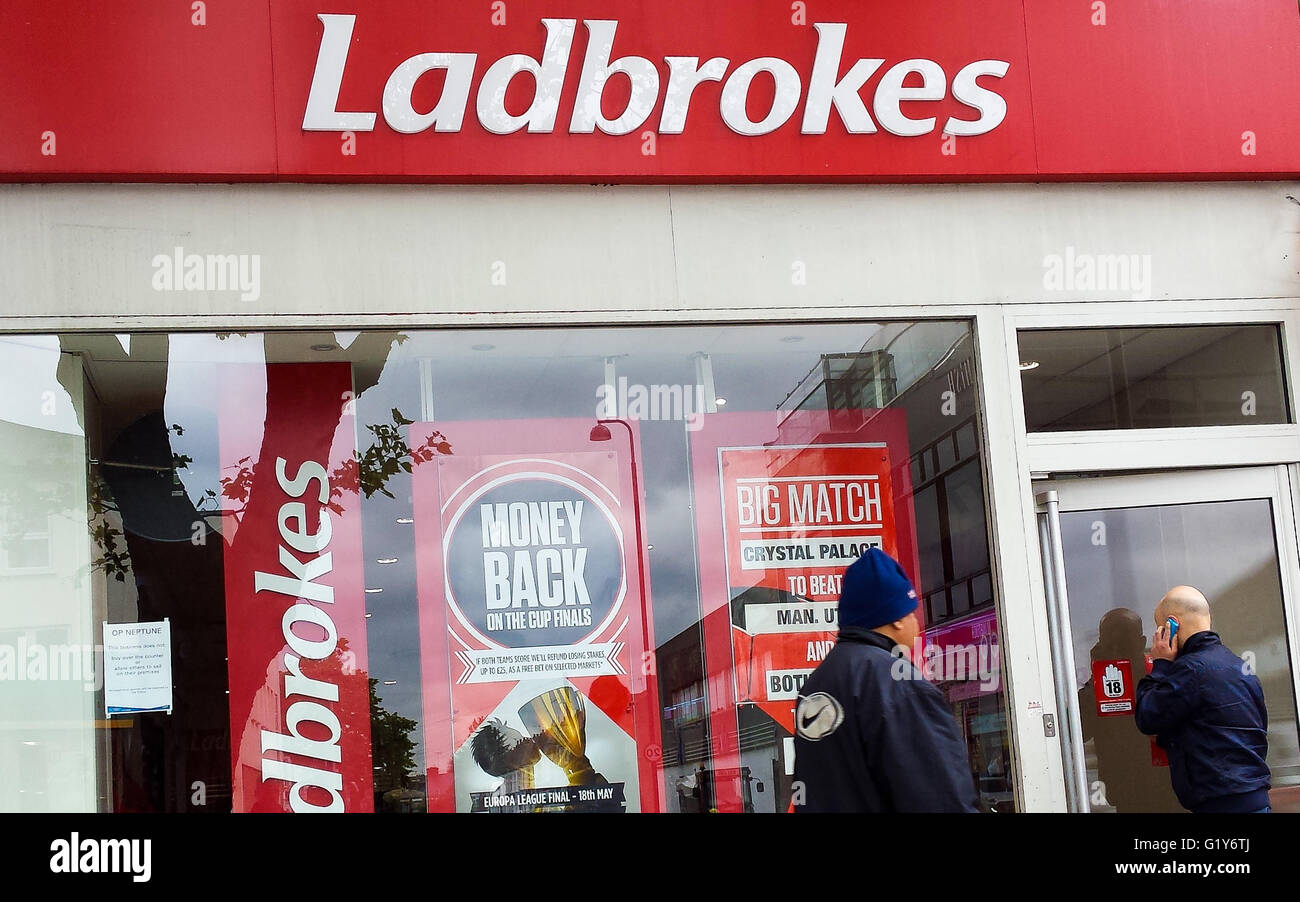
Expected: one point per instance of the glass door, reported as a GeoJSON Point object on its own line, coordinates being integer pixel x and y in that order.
{"type": "Point", "coordinates": [1118, 544]}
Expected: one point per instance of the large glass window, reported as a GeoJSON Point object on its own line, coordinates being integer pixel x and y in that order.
{"type": "Point", "coordinates": [1152, 377]}
{"type": "Point", "coordinates": [492, 570]}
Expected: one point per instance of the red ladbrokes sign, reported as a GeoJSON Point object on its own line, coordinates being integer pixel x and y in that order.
{"type": "Point", "coordinates": [676, 91]}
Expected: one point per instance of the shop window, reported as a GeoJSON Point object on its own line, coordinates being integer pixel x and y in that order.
{"type": "Point", "coordinates": [495, 570]}
{"type": "Point", "coordinates": [1152, 377]}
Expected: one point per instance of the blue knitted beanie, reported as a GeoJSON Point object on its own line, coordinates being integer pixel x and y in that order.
{"type": "Point", "coordinates": [875, 591]}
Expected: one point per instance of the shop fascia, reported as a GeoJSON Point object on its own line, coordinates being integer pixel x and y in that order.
{"type": "Point", "coordinates": [685, 74]}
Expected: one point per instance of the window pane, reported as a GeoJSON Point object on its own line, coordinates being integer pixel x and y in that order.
{"type": "Point", "coordinates": [1226, 549]}
{"type": "Point", "coordinates": [1146, 378]}
{"type": "Point", "coordinates": [520, 569]}
{"type": "Point", "coordinates": [48, 606]}
{"type": "Point", "coordinates": [929, 531]}
{"type": "Point", "coordinates": [964, 491]}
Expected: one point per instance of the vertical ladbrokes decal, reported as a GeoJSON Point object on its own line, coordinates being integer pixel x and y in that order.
{"type": "Point", "coordinates": [295, 611]}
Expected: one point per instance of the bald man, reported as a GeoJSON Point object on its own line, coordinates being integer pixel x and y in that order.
{"type": "Point", "coordinates": [1206, 709]}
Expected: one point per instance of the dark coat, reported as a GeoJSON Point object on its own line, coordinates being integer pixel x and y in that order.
{"type": "Point", "coordinates": [1208, 713]}
{"type": "Point", "coordinates": [872, 735]}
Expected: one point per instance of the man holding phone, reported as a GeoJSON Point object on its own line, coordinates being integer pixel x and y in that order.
{"type": "Point", "coordinates": [1206, 709]}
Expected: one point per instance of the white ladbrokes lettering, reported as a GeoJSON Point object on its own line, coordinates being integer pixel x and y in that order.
{"type": "Point", "coordinates": [302, 583]}
{"type": "Point", "coordinates": [685, 74]}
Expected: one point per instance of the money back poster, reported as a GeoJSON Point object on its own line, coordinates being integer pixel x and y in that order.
{"type": "Point", "coordinates": [534, 621]}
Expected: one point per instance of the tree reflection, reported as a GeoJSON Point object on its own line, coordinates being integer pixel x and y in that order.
{"type": "Point", "coordinates": [391, 745]}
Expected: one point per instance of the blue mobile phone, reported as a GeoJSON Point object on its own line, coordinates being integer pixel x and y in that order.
{"type": "Point", "coordinates": [1173, 629]}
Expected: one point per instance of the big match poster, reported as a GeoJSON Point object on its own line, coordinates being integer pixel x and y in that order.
{"type": "Point", "coordinates": [535, 620]}
{"type": "Point", "coordinates": [784, 503]}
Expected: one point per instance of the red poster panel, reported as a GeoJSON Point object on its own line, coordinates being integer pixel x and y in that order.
{"type": "Point", "coordinates": [295, 610]}
{"type": "Point", "coordinates": [535, 620]}
{"type": "Point", "coordinates": [784, 502]}
{"type": "Point", "coordinates": [1112, 683]}
{"type": "Point", "coordinates": [794, 516]}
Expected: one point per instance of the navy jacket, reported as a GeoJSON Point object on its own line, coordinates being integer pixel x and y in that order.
{"type": "Point", "coordinates": [1208, 714]}
{"type": "Point", "coordinates": [866, 740]}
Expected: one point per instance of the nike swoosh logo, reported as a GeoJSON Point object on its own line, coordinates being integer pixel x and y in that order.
{"type": "Point", "coordinates": [805, 721]}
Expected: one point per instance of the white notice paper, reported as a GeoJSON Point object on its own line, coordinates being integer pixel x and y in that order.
{"type": "Point", "coordinates": [137, 667]}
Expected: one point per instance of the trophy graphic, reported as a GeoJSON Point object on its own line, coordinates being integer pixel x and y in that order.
{"type": "Point", "coordinates": [558, 721]}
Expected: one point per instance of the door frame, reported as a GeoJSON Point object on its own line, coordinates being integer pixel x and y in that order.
{"type": "Point", "coordinates": [1040, 456]}
{"type": "Point", "coordinates": [1272, 484]}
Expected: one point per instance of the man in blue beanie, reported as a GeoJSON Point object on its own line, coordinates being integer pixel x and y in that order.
{"type": "Point", "coordinates": [871, 734]}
